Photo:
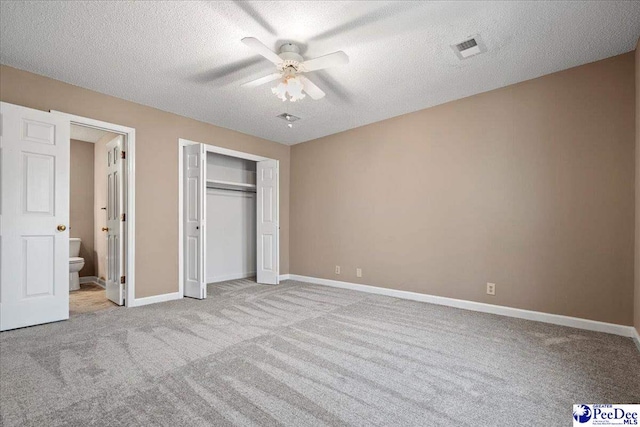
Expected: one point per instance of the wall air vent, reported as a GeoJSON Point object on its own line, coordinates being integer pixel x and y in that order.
{"type": "Point", "coordinates": [288, 117]}
{"type": "Point", "coordinates": [470, 47]}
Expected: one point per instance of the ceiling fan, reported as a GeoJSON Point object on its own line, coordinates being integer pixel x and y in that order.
{"type": "Point", "coordinates": [291, 66]}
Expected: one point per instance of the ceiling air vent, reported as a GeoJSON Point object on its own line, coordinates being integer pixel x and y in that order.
{"type": "Point", "coordinates": [288, 117]}
{"type": "Point", "coordinates": [470, 47]}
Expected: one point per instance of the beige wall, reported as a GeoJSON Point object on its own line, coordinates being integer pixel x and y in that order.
{"type": "Point", "coordinates": [81, 202]}
{"type": "Point", "coordinates": [157, 134]}
{"type": "Point", "coordinates": [637, 257]}
{"type": "Point", "coordinates": [530, 186]}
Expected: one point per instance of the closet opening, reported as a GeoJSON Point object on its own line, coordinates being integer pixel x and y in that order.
{"type": "Point", "coordinates": [229, 217]}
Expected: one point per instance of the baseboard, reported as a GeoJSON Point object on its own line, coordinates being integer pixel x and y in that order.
{"type": "Point", "coordinates": [284, 277]}
{"type": "Point", "coordinates": [226, 277]}
{"type": "Point", "coordinates": [138, 302]}
{"type": "Point", "coordinates": [636, 338]}
{"type": "Point", "coordinates": [556, 319]}
{"type": "Point", "coordinates": [93, 279]}
{"type": "Point", "coordinates": [88, 279]}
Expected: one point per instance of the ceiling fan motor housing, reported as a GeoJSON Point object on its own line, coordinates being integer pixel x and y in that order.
{"type": "Point", "coordinates": [290, 52]}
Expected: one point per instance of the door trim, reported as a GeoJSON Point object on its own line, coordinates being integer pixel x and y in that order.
{"type": "Point", "coordinates": [130, 185]}
{"type": "Point", "coordinates": [209, 149]}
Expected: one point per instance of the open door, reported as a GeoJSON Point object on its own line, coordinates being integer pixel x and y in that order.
{"type": "Point", "coordinates": [267, 224]}
{"type": "Point", "coordinates": [194, 181]}
{"type": "Point", "coordinates": [34, 216]}
{"type": "Point", "coordinates": [116, 279]}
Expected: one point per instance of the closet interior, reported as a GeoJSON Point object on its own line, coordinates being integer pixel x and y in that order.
{"type": "Point", "coordinates": [230, 218]}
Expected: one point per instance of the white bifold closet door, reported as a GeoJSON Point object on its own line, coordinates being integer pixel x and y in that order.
{"type": "Point", "coordinates": [34, 217]}
{"type": "Point", "coordinates": [267, 223]}
{"type": "Point", "coordinates": [194, 221]}
{"type": "Point", "coordinates": [194, 181]}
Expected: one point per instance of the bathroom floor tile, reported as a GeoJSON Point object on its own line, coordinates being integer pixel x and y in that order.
{"type": "Point", "coordinates": [91, 297]}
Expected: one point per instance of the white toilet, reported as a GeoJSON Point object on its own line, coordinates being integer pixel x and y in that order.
{"type": "Point", "coordinates": [75, 263]}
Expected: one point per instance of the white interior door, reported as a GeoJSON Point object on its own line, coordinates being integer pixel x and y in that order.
{"type": "Point", "coordinates": [34, 216]}
{"type": "Point", "coordinates": [194, 203]}
{"type": "Point", "coordinates": [267, 223]}
{"type": "Point", "coordinates": [116, 279]}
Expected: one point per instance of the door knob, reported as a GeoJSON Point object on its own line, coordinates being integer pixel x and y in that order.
{"type": "Point", "coordinates": [105, 228]}
{"type": "Point", "coordinates": [62, 227]}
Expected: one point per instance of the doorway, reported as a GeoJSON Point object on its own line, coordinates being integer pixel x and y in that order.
{"type": "Point", "coordinates": [94, 203]}
{"type": "Point", "coordinates": [35, 252]}
{"type": "Point", "coordinates": [228, 217]}
{"type": "Point", "coordinates": [114, 213]}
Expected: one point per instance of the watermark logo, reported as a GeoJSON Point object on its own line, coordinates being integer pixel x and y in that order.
{"type": "Point", "coordinates": [606, 415]}
{"type": "Point", "coordinates": [582, 413]}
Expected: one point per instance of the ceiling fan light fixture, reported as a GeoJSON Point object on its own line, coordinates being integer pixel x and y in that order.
{"type": "Point", "coordinates": [291, 86]}
{"type": "Point", "coordinates": [281, 90]}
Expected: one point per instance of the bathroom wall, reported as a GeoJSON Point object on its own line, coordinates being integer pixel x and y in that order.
{"type": "Point", "coordinates": [81, 219]}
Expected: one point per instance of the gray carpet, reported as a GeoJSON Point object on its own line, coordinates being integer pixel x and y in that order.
{"type": "Point", "coordinates": [305, 355]}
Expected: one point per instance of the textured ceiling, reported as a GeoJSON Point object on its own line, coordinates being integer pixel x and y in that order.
{"type": "Point", "coordinates": [187, 58]}
{"type": "Point", "coordinates": [87, 134]}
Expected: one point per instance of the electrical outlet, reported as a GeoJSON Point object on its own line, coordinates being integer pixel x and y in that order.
{"type": "Point", "coordinates": [358, 272]}
{"type": "Point", "coordinates": [337, 269]}
{"type": "Point", "coordinates": [491, 288]}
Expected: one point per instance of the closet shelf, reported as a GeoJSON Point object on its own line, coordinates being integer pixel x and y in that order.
{"type": "Point", "coordinates": [215, 183]}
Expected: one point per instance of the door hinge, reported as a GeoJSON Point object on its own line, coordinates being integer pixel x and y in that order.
{"type": "Point", "coordinates": [123, 155]}
{"type": "Point", "coordinates": [123, 217]}
{"type": "Point", "coordinates": [123, 279]}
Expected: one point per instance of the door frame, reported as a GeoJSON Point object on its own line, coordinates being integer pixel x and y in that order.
{"type": "Point", "coordinates": [208, 149]}
{"type": "Point", "coordinates": [129, 183]}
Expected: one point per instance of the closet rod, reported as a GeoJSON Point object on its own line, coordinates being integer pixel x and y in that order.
{"type": "Point", "coordinates": [231, 189]}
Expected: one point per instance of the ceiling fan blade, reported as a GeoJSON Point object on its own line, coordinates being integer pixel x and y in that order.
{"type": "Point", "coordinates": [368, 24]}
{"type": "Point", "coordinates": [330, 60]}
{"type": "Point", "coordinates": [255, 15]}
{"type": "Point", "coordinates": [312, 90]}
{"type": "Point", "coordinates": [260, 48]}
{"type": "Point", "coordinates": [262, 80]}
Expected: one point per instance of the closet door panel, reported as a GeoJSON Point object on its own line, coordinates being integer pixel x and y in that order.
{"type": "Point", "coordinates": [194, 204]}
{"type": "Point", "coordinates": [268, 227]}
